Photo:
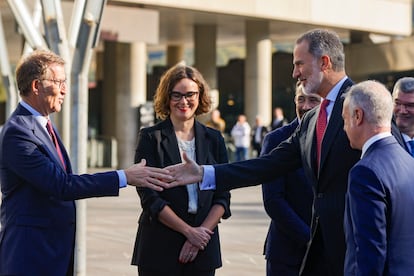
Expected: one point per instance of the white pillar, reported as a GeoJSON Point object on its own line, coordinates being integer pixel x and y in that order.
{"type": "Point", "coordinates": [258, 72]}
{"type": "Point", "coordinates": [205, 37]}
{"type": "Point", "coordinates": [124, 90]}
{"type": "Point", "coordinates": [175, 54]}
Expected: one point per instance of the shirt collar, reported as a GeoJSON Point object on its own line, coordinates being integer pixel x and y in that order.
{"type": "Point", "coordinates": [372, 140]}
{"type": "Point", "coordinates": [406, 137]}
{"type": "Point", "coordinates": [39, 117]}
{"type": "Point", "coordinates": [332, 95]}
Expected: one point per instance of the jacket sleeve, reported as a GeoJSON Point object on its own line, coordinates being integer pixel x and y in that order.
{"type": "Point", "coordinates": [222, 198]}
{"type": "Point", "coordinates": [146, 149]}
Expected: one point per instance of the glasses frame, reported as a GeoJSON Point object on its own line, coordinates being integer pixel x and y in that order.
{"type": "Point", "coordinates": [60, 83]}
{"type": "Point", "coordinates": [177, 96]}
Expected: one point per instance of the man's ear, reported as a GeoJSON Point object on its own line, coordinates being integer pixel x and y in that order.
{"type": "Point", "coordinates": [359, 116]}
{"type": "Point", "coordinates": [326, 62]}
{"type": "Point", "coordinates": [35, 86]}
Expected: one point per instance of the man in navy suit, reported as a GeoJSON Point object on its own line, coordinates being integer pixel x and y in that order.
{"type": "Point", "coordinates": [288, 202]}
{"type": "Point", "coordinates": [37, 234]}
{"type": "Point", "coordinates": [319, 65]}
{"type": "Point", "coordinates": [379, 225]}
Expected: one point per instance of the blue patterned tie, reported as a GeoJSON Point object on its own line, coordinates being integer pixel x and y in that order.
{"type": "Point", "coordinates": [411, 142]}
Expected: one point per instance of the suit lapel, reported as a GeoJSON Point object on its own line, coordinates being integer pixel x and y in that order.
{"type": "Point", "coordinates": [311, 143]}
{"type": "Point", "coordinates": [40, 133]}
{"type": "Point", "coordinates": [169, 145]}
{"type": "Point", "coordinates": [202, 143]}
{"type": "Point", "coordinates": [335, 123]}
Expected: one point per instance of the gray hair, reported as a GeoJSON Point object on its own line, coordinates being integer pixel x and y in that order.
{"type": "Point", "coordinates": [404, 85]}
{"type": "Point", "coordinates": [374, 99]}
{"type": "Point", "coordinates": [325, 42]}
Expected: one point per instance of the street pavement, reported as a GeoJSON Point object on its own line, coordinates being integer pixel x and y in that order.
{"type": "Point", "coordinates": [112, 224]}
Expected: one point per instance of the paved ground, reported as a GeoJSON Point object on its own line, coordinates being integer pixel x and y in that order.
{"type": "Point", "coordinates": [112, 223]}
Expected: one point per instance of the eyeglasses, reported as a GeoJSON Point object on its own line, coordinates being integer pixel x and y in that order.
{"type": "Point", "coordinates": [60, 83]}
{"type": "Point", "coordinates": [177, 96]}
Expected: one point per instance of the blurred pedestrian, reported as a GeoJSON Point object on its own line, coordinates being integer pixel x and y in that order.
{"type": "Point", "coordinates": [241, 137]}
{"type": "Point", "coordinates": [279, 119]}
{"type": "Point", "coordinates": [216, 121]}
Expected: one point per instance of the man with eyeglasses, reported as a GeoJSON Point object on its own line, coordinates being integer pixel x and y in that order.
{"type": "Point", "coordinates": [38, 213]}
{"type": "Point", "coordinates": [403, 97]}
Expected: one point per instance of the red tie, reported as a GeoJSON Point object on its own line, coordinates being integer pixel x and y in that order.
{"type": "Point", "coordinates": [320, 129]}
{"type": "Point", "coordinates": [49, 128]}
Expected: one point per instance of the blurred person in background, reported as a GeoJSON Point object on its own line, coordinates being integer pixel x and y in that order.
{"type": "Point", "coordinates": [216, 121]}
{"type": "Point", "coordinates": [241, 137]}
{"type": "Point", "coordinates": [279, 119]}
{"type": "Point", "coordinates": [259, 131]}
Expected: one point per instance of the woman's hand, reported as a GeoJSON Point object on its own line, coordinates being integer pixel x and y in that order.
{"type": "Point", "coordinates": [188, 253]}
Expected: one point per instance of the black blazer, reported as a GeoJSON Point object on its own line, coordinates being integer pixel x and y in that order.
{"type": "Point", "coordinates": [157, 246]}
{"type": "Point", "coordinates": [330, 185]}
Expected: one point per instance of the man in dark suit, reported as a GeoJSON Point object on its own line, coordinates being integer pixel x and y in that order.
{"type": "Point", "coordinates": [288, 202]}
{"type": "Point", "coordinates": [379, 227]}
{"type": "Point", "coordinates": [319, 64]}
{"type": "Point", "coordinates": [37, 234]}
{"type": "Point", "coordinates": [403, 96]}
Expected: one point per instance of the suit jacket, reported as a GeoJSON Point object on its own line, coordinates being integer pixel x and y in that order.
{"type": "Point", "coordinates": [155, 241]}
{"type": "Point", "coordinates": [38, 210]}
{"type": "Point", "coordinates": [288, 202]}
{"type": "Point", "coordinates": [379, 225]}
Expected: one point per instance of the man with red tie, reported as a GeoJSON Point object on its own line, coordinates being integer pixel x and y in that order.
{"type": "Point", "coordinates": [319, 65]}
{"type": "Point", "coordinates": [38, 214]}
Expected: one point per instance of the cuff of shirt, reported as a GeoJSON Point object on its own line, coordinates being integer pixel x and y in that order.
{"type": "Point", "coordinates": [122, 178]}
{"type": "Point", "coordinates": [209, 178]}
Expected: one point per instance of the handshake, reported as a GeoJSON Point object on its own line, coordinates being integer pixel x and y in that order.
{"type": "Point", "coordinates": [140, 175]}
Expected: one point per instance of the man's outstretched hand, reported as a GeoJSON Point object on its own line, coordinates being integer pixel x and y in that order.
{"type": "Point", "coordinates": [141, 176]}
{"type": "Point", "coordinates": [185, 173]}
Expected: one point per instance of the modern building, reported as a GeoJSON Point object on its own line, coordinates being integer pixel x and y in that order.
{"type": "Point", "coordinates": [242, 47]}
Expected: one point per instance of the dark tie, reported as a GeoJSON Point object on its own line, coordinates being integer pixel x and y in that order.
{"type": "Point", "coordinates": [320, 129]}
{"type": "Point", "coordinates": [49, 128]}
{"type": "Point", "coordinates": [411, 142]}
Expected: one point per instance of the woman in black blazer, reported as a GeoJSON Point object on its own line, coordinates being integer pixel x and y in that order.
{"type": "Point", "coordinates": [177, 232]}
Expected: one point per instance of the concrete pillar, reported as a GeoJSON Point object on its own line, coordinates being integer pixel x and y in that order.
{"type": "Point", "coordinates": [205, 50]}
{"type": "Point", "coordinates": [124, 90]}
{"type": "Point", "coordinates": [175, 54]}
{"type": "Point", "coordinates": [258, 72]}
